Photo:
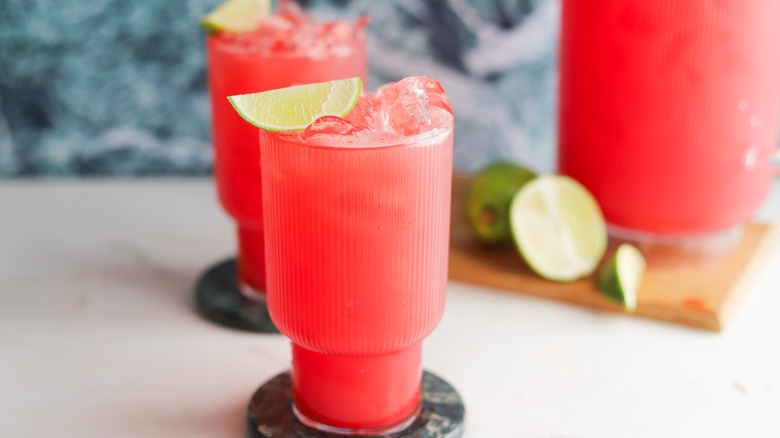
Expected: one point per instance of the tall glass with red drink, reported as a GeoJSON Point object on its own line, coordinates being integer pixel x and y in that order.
{"type": "Point", "coordinates": [357, 215]}
{"type": "Point", "coordinates": [289, 48]}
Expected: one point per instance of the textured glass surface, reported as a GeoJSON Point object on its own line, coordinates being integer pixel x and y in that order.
{"type": "Point", "coordinates": [232, 69]}
{"type": "Point", "coordinates": [357, 242]}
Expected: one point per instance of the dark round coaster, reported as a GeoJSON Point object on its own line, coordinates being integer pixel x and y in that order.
{"type": "Point", "coordinates": [270, 412]}
{"type": "Point", "coordinates": [218, 299]}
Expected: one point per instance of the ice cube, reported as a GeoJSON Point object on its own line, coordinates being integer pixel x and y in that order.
{"type": "Point", "coordinates": [290, 10]}
{"type": "Point", "coordinates": [405, 105]}
{"type": "Point", "coordinates": [339, 31]}
{"type": "Point", "coordinates": [440, 117]}
{"type": "Point", "coordinates": [328, 125]}
{"type": "Point", "coordinates": [276, 34]}
{"type": "Point", "coordinates": [363, 114]}
{"type": "Point", "coordinates": [435, 92]}
{"type": "Point", "coordinates": [291, 30]}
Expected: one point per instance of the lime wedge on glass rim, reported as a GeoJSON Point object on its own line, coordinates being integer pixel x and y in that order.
{"type": "Point", "coordinates": [620, 277]}
{"type": "Point", "coordinates": [237, 16]}
{"type": "Point", "coordinates": [558, 228]}
{"type": "Point", "coordinates": [294, 108]}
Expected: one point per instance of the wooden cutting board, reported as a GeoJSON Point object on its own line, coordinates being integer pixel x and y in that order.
{"type": "Point", "coordinates": [703, 296]}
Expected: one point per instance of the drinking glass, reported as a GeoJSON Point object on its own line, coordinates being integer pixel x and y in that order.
{"type": "Point", "coordinates": [357, 244]}
{"type": "Point", "coordinates": [289, 49]}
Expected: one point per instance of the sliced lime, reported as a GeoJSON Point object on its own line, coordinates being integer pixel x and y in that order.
{"type": "Point", "coordinates": [237, 16]}
{"type": "Point", "coordinates": [558, 228]}
{"type": "Point", "coordinates": [294, 108]}
{"type": "Point", "coordinates": [620, 277]}
{"type": "Point", "coordinates": [490, 192]}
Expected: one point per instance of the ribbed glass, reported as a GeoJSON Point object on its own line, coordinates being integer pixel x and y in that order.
{"type": "Point", "coordinates": [357, 242]}
{"type": "Point", "coordinates": [232, 70]}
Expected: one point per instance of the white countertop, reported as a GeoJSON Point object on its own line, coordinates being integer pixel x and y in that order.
{"type": "Point", "coordinates": [98, 339]}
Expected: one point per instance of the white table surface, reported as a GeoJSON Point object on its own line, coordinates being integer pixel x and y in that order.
{"type": "Point", "coordinates": [98, 339]}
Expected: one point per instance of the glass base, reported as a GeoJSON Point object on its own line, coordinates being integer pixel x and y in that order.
{"type": "Point", "coordinates": [680, 251]}
{"type": "Point", "coordinates": [219, 299]}
{"type": "Point", "coordinates": [251, 293]}
{"type": "Point", "coordinates": [355, 432]}
{"type": "Point", "coordinates": [270, 415]}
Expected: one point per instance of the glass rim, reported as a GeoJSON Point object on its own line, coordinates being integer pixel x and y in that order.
{"type": "Point", "coordinates": [423, 139]}
{"type": "Point", "coordinates": [354, 45]}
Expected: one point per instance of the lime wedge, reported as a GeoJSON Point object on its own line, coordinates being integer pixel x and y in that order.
{"type": "Point", "coordinates": [237, 16]}
{"type": "Point", "coordinates": [294, 108]}
{"type": "Point", "coordinates": [558, 228]}
{"type": "Point", "coordinates": [490, 192]}
{"type": "Point", "coordinates": [619, 278]}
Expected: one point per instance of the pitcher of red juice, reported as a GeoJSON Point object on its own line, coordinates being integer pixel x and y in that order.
{"type": "Point", "coordinates": [668, 113]}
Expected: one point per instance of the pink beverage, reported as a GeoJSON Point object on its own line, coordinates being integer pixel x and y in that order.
{"type": "Point", "coordinates": [668, 110]}
{"type": "Point", "coordinates": [288, 49]}
{"type": "Point", "coordinates": [357, 220]}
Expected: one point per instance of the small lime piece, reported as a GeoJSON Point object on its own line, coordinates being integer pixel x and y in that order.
{"type": "Point", "coordinates": [294, 108]}
{"type": "Point", "coordinates": [237, 16]}
{"type": "Point", "coordinates": [558, 228]}
{"type": "Point", "coordinates": [620, 277]}
{"type": "Point", "coordinates": [490, 192]}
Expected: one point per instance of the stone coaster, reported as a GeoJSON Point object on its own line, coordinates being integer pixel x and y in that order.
{"type": "Point", "coordinates": [218, 299]}
{"type": "Point", "coordinates": [270, 412]}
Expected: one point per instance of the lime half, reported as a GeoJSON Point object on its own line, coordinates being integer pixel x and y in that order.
{"type": "Point", "coordinates": [558, 228]}
{"type": "Point", "coordinates": [620, 277]}
{"type": "Point", "coordinates": [237, 16]}
{"type": "Point", "coordinates": [294, 108]}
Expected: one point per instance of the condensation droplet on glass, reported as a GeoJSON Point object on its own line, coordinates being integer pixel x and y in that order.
{"type": "Point", "coordinates": [743, 105]}
{"type": "Point", "coordinates": [751, 158]}
{"type": "Point", "coordinates": [755, 121]}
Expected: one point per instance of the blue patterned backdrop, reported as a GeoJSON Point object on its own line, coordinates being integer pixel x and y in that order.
{"type": "Point", "coordinates": [113, 87]}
